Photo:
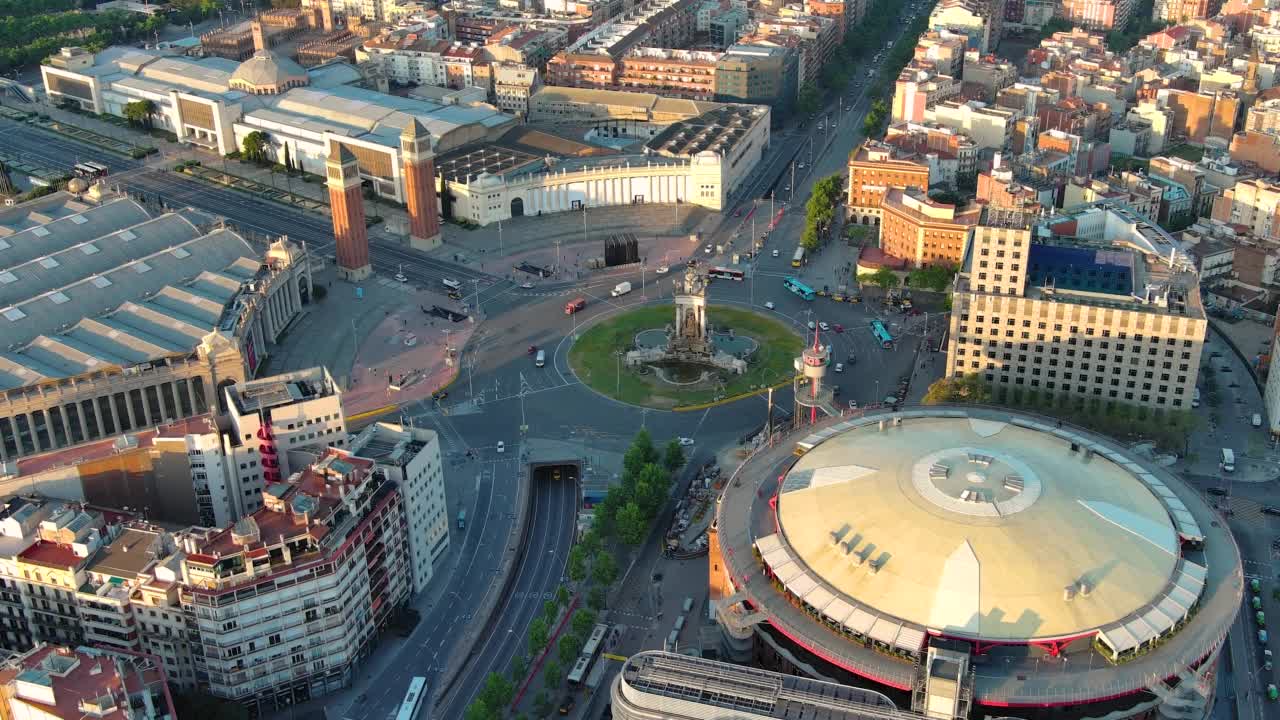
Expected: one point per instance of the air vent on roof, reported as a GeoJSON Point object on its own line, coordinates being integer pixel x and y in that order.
{"type": "Point", "coordinates": [40, 231]}
{"type": "Point", "coordinates": [48, 263]}
{"type": "Point", "coordinates": [181, 253]}
{"type": "Point", "coordinates": [7, 277]}
{"type": "Point", "coordinates": [89, 249]}
{"type": "Point", "coordinates": [13, 314]}
{"type": "Point", "coordinates": [100, 281]}
{"type": "Point", "coordinates": [126, 235]}
{"type": "Point", "coordinates": [141, 267]}
{"type": "Point", "coordinates": [58, 297]}
{"type": "Point", "coordinates": [78, 219]}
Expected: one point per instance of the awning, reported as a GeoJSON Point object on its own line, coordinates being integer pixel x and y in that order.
{"type": "Point", "coordinates": [885, 630]}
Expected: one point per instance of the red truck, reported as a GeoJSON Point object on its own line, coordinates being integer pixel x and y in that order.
{"type": "Point", "coordinates": [575, 305]}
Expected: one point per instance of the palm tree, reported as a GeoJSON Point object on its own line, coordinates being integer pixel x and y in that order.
{"type": "Point", "coordinates": [140, 112]}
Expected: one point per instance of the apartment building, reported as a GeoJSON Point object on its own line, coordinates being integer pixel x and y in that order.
{"type": "Point", "coordinates": [1126, 188]}
{"type": "Point", "coordinates": [970, 18]}
{"type": "Point", "coordinates": [759, 74]}
{"type": "Point", "coordinates": [1199, 116]}
{"type": "Point", "coordinates": [410, 457]}
{"type": "Point", "coordinates": [1101, 15]}
{"type": "Point", "coordinates": [1110, 312]}
{"type": "Point", "coordinates": [1086, 157]}
{"type": "Point", "coordinates": [1258, 148]}
{"type": "Point", "coordinates": [813, 38]}
{"type": "Point", "coordinates": [874, 168]}
{"type": "Point", "coordinates": [988, 126]}
{"type": "Point", "coordinates": [513, 85]}
{"type": "Point", "coordinates": [1161, 121]}
{"type": "Point", "coordinates": [923, 231]}
{"type": "Point", "coordinates": [268, 418]}
{"type": "Point", "coordinates": [1176, 11]}
{"type": "Point", "coordinates": [1253, 204]}
{"type": "Point", "coordinates": [688, 74]}
{"type": "Point", "coordinates": [727, 24]}
{"type": "Point", "coordinates": [951, 156]}
{"type": "Point", "coordinates": [1190, 176]}
{"type": "Point", "coordinates": [283, 604]}
{"type": "Point", "coordinates": [57, 682]}
{"type": "Point", "coordinates": [941, 50]}
{"type": "Point", "coordinates": [916, 89]}
{"type": "Point", "coordinates": [985, 76]}
{"type": "Point", "coordinates": [52, 569]}
{"type": "Point", "coordinates": [1264, 116]}
{"type": "Point", "coordinates": [1004, 195]}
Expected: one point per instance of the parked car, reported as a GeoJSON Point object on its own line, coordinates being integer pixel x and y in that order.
{"type": "Point", "coordinates": [838, 328]}
{"type": "Point", "coordinates": [502, 446]}
{"type": "Point", "coordinates": [775, 252]}
{"type": "Point", "coordinates": [839, 367]}
{"type": "Point", "coordinates": [566, 705]}
{"type": "Point", "coordinates": [686, 441]}
{"type": "Point", "coordinates": [1216, 491]}
{"type": "Point", "coordinates": [663, 269]}
{"type": "Point", "coordinates": [1271, 509]}
{"type": "Point", "coordinates": [823, 327]}
{"type": "Point", "coordinates": [769, 305]}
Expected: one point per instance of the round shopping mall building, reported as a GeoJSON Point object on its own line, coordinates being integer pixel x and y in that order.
{"type": "Point", "coordinates": [976, 563]}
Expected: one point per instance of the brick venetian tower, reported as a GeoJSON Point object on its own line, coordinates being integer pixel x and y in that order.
{"type": "Point", "coordinates": [420, 186]}
{"type": "Point", "coordinates": [346, 202]}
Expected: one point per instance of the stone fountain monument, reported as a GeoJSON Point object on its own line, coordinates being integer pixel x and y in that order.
{"type": "Point", "coordinates": [688, 340]}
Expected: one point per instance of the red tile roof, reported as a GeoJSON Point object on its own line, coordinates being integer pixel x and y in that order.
{"type": "Point", "coordinates": [51, 555]}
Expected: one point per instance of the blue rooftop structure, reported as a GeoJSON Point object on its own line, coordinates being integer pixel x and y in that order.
{"type": "Point", "coordinates": [1084, 269]}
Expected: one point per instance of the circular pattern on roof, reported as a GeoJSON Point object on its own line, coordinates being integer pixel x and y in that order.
{"type": "Point", "coordinates": [267, 73]}
{"type": "Point", "coordinates": [978, 528]}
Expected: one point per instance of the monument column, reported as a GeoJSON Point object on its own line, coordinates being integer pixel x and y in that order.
{"type": "Point", "coordinates": [420, 187]}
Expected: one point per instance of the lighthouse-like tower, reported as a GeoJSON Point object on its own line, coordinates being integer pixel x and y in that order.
{"type": "Point", "coordinates": [420, 187]}
{"type": "Point", "coordinates": [810, 393]}
{"type": "Point", "coordinates": [346, 203]}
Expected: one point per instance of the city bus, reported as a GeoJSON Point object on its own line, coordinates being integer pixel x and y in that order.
{"type": "Point", "coordinates": [590, 651]}
{"type": "Point", "coordinates": [881, 333]}
{"type": "Point", "coordinates": [90, 170]}
{"type": "Point", "coordinates": [798, 259]}
{"type": "Point", "coordinates": [724, 273]}
{"type": "Point", "coordinates": [799, 288]}
{"type": "Point", "coordinates": [413, 700]}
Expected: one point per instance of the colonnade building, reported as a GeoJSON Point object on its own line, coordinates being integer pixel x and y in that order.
{"type": "Point", "coordinates": [118, 319]}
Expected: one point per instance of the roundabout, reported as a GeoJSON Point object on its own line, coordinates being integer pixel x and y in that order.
{"type": "Point", "coordinates": [599, 357]}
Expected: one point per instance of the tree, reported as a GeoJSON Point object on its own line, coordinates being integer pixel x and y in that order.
{"type": "Point", "coordinates": [255, 146]}
{"type": "Point", "coordinates": [932, 277]}
{"type": "Point", "coordinates": [542, 705]}
{"type": "Point", "coordinates": [673, 457]}
{"type": "Point", "coordinates": [651, 489]}
{"type": "Point", "coordinates": [971, 389]}
{"type": "Point", "coordinates": [1055, 25]}
{"type": "Point", "coordinates": [552, 674]}
{"type": "Point", "coordinates": [884, 278]}
{"type": "Point", "coordinates": [497, 692]}
{"type": "Point", "coordinates": [139, 113]}
{"type": "Point", "coordinates": [604, 569]}
{"type": "Point", "coordinates": [583, 621]}
{"type": "Point", "coordinates": [809, 238]}
{"type": "Point", "coordinates": [946, 197]}
{"type": "Point", "coordinates": [480, 710]}
{"type": "Point", "coordinates": [641, 453]}
{"type": "Point", "coordinates": [288, 159]}
{"type": "Point", "coordinates": [538, 635]}
{"type": "Point", "coordinates": [562, 596]}
{"type": "Point", "coordinates": [577, 565]}
{"type": "Point", "coordinates": [597, 598]}
{"type": "Point", "coordinates": [808, 100]}
{"type": "Point", "coordinates": [590, 542]}
{"type": "Point", "coordinates": [519, 667]}
{"type": "Point", "coordinates": [550, 612]}
{"type": "Point", "coordinates": [570, 646]}
{"type": "Point", "coordinates": [632, 524]}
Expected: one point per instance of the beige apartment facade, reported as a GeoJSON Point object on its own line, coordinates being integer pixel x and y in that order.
{"type": "Point", "coordinates": [1086, 337]}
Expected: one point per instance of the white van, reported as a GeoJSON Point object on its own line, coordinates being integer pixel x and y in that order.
{"type": "Point", "coordinates": [541, 358]}
{"type": "Point", "coordinates": [451, 284]}
{"type": "Point", "coordinates": [1195, 398]}
{"type": "Point", "coordinates": [1257, 420]}
{"type": "Point", "coordinates": [1228, 463]}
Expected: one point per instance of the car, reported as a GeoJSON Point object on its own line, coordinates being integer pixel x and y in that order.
{"type": "Point", "coordinates": [686, 441]}
{"type": "Point", "coordinates": [708, 250]}
{"type": "Point", "coordinates": [663, 269]}
{"type": "Point", "coordinates": [401, 278]}
{"type": "Point", "coordinates": [1216, 491]}
{"type": "Point", "coordinates": [737, 213]}
{"type": "Point", "coordinates": [566, 705]}
{"type": "Point", "coordinates": [1215, 354]}
{"type": "Point", "coordinates": [439, 394]}
{"type": "Point", "coordinates": [853, 404]}
{"type": "Point", "coordinates": [1226, 368]}
{"type": "Point", "coordinates": [502, 446]}
{"type": "Point", "coordinates": [812, 325]}
{"type": "Point", "coordinates": [769, 305]}
{"type": "Point", "coordinates": [822, 126]}
{"type": "Point", "coordinates": [823, 327]}
{"type": "Point", "coordinates": [786, 188]}
{"type": "Point", "coordinates": [838, 328]}
{"type": "Point", "coordinates": [800, 165]}
{"type": "Point", "coordinates": [1271, 509]}
{"type": "Point", "coordinates": [526, 286]}
{"type": "Point", "coordinates": [839, 367]}
{"type": "Point", "coordinates": [775, 252]}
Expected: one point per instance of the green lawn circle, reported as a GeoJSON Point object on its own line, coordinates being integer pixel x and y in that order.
{"type": "Point", "coordinates": [594, 360]}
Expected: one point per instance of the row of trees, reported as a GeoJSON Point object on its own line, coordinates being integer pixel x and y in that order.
{"type": "Point", "coordinates": [26, 40]}
{"type": "Point", "coordinates": [1170, 430]}
{"type": "Point", "coordinates": [626, 514]}
{"type": "Point", "coordinates": [820, 211]}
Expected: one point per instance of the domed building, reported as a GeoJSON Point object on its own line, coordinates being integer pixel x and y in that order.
{"type": "Point", "coordinates": [975, 563]}
{"type": "Point", "coordinates": [268, 74]}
